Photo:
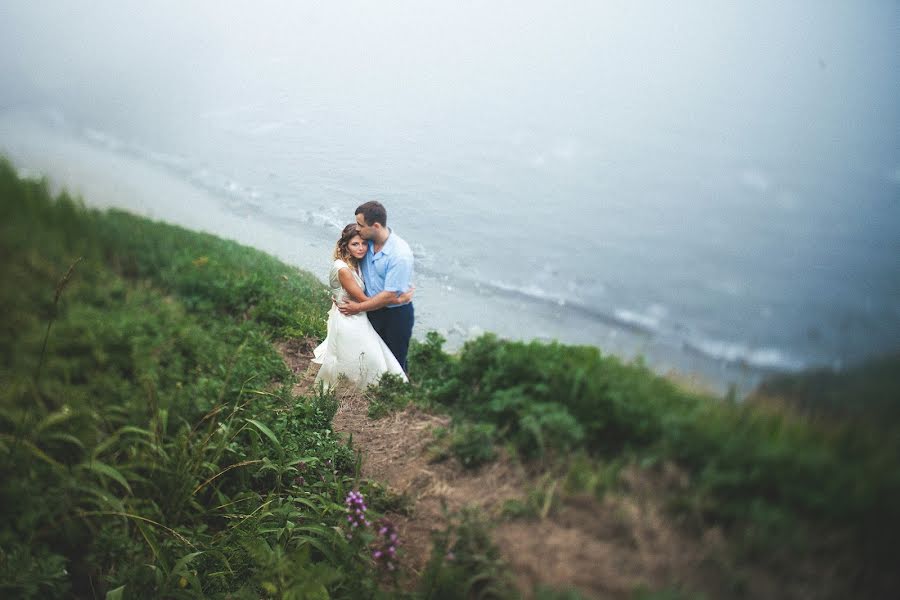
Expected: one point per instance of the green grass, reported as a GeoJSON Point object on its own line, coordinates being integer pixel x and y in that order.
{"type": "Point", "coordinates": [149, 442]}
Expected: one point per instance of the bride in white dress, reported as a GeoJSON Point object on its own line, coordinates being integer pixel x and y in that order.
{"type": "Point", "coordinates": [352, 347]}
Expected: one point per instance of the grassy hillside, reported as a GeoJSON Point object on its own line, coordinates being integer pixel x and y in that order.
{"type": "Point", "coordinates": [150, 445]}
{"type": "Point", "coordinates": [752, 465]}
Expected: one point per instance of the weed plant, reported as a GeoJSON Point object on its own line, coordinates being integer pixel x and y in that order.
{"type": "Point", "coordinates": [389, 395]}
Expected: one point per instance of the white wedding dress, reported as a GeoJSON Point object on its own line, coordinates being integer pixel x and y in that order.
{"type": "Point", "coordinates": [352, 347]}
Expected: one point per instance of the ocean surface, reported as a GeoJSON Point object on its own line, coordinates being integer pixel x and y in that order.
{"type": "Point", "coordinates": [720, 223]}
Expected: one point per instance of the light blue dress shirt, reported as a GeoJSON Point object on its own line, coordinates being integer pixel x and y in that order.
{"type": "Point", "coordinates": [391, 269]}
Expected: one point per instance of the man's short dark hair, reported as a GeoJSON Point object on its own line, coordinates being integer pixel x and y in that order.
{"type": "Point", "coordinates": [373, 212]}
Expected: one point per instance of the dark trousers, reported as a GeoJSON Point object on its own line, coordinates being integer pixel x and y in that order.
{"type": "Point", "coordinates": [395, 325]}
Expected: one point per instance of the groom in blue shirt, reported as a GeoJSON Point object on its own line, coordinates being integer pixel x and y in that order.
{"type": "Point", "coordinates": [387, 270]}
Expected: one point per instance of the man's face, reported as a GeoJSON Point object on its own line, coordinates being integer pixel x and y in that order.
{"type": "Point", "coordinates": [366, 232]}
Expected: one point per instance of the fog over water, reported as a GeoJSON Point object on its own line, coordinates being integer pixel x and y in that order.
{"type": "Point", "coordinates": [713, 185]}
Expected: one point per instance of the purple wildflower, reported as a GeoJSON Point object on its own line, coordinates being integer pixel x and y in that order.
{"type": "Point", "coordinates": [356, 510]}
{"type": "Point", "coordinates": [385, 546]}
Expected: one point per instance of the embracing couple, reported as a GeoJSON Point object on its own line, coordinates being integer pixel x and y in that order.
{"type": "Point", "coordinates": [371, 319]}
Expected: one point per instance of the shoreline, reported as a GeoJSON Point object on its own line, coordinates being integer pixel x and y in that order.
{"type": "Point", "coordinates": [104, 178]}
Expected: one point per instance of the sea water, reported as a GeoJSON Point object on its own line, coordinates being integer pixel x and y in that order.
{"type": "Point", "coordinates": [714, 222]}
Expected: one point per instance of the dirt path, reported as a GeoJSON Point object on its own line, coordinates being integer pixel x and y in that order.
{"type": "Point", "coordinates": [604, 549]}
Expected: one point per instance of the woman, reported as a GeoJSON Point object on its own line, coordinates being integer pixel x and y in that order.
{"type": "Point", "coordinates": [352, 347]}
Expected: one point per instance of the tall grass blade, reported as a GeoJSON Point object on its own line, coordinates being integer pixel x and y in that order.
{"type": "Point", "coordinates": [116, 594]}
{"type": "Point", "coordinates": [116, 435]}
{"type": "Point", "coordinates": [104, 469]}
{"type": "Point", "coordinates": [59, 290]}
{"type": "Point", "coordinates": [269, 434]}
{"type": "Point", "coordinates": [148, 536]}
{"type": "Point", "coordinates": [136, 518]}
{"type": "Point", "coordinates": [222, 472]}
{"type": "Point", "coordinates": [55, 418]}
{"type": "Point", "coordinates": [32, 448]}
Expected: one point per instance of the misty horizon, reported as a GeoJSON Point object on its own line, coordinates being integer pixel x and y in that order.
{"type": "Point", "coordinates": [721, 175]}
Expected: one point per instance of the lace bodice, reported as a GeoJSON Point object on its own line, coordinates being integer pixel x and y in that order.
{"type": "Point", "coordinates": [338, 293]}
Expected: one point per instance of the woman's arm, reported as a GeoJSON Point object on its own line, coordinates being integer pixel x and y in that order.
{"type": "Point", "coordinates": [377, 301]}
{"type": "Point", "coordinates": [348, 282]}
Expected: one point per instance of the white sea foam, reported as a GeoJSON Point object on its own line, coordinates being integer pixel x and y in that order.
{"type": "Point", "coordinates": [760, 358]}
{"type": "Point", "coordinates": [643, 321]}
{"type": "Point", "coordinates": [530, 291]}
{"type": "Point", "coordinates": [420, 252]}
{"type": "Point", "coordinates": [101, 138]}
{"type": "Point", "coordinates": [179, 165]}
{"type": "Point", "coordinates": [331, 220]}
{"type": "Point", "coordinates": [331, 216]}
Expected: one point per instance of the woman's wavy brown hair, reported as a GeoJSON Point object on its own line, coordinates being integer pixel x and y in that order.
{"type": "Point", "coordinates": [342, 250]}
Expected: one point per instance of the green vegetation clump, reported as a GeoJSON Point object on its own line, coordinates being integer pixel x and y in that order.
{"type": "Point", "coordinates": [772, 475]}
{"type": "Point", "coordinates": [867, 394]}
{"type": "Point", "coordinates": [473, 443]}
{"type": "Point", "coordinates": [150, 445]}
{"type": "Point", "coordinates": [390, 394]}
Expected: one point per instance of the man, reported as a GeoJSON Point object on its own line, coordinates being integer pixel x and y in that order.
{"type": "Point", "coordinates": [387, 270]}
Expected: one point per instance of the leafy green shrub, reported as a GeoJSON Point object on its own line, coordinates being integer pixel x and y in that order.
{"type": "Point", "coordinates": [747, 464]}
{"type": "Point", "coordinates": [541, 500]}
{"type": "Point", "coordinates": [611, 405]}
{"type": "Point", "coordinates": [390, 394]}
{"type": "Point", "coordinates": [535, 427]}
{"type": "Point", "coordinates": [473, 443]}
{"type": "Point", "coordinates": [33, 575]}
{"type": "Point", "coordinates": [428, 363]}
